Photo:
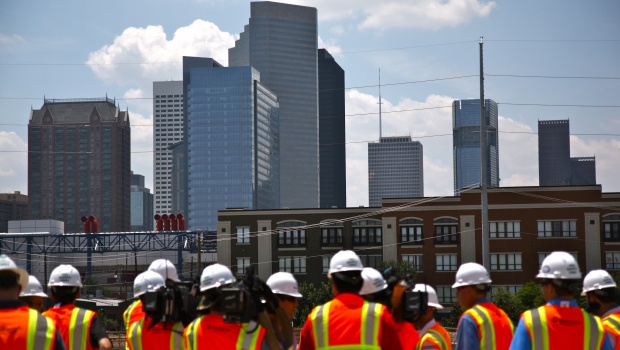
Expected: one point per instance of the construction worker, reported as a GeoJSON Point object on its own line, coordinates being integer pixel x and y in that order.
{"type": "Point", "coordinates": [560, 323]}
{"type": "Point", "coordinates": [375, 289]}
{"type": "Point", "coordinates": [483, 325]}
{"type": "Point", "coordinates": [144, 333]}
{"type": "Point", "coordinates": [601, 294]}
{"type": "Point", "coordinates": [33, 294]}
{"type": "Point", "coordinates": [432, 335]}
{"type": "Point", "coordinates": [80, 328]}
{"type": "Point", "coordinates": [210, 331]}
{"type": "Point", "coordinates": [20, 326]}
{"type": "Point", "coordinates": [285, 287]}
{"type": "Point", "coordinates": [348, 321]}
{"type": "Point", "coordinates": [166, 270]}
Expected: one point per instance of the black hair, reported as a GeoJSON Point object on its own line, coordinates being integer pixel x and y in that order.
{"type": "Point", "coordinates": [65, 295]}
{"type": "Point", "coordinates": [565, 288]}
{"type": "Point", "coordinates": [606, 295]}
{"type": "Point", "coordinates": [8, 279]}
{"type": "Point", "coordinates": [348, 281]}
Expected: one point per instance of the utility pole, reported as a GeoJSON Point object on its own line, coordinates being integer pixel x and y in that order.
{"type": "Point", "coordinates": [45, 270]}
{"type": "Point", "coordinates": [380, 103]}
{"type": "Point", "coordinates": [199, 238]}
{"type": "Point", "coordinates": [191, 270]}
{"type": "Point", "coordinates": [483, 171]}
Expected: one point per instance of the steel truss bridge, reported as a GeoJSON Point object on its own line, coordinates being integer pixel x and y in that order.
{"type": "Point", "coordinates": [38, 244]}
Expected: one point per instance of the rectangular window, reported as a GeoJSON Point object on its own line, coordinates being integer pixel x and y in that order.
{"type": "Point", "coordinates": [612, 260]}
{"type": "Point", "coordinates": [371, 260]}
{"type": "Point", "coordinates": [505, 229]}
{"type": "Point", "coordinates": [446, 262]}
{"type": "Point", "coordinates": [287, 237]}
{"type": "Point", "coordinates": [509, 261]}
{"type": "Point", "coordinates": [243, 235]}
{"type": "Point", "coordinates": [414, 259]}
{"type": "Point", "coordinates": [557, 228]}
{"type": "Point", "coordinates": [446, 294]}
{"type": "Point", "coordinates": [511, 288]}
{"type": "Point", "coordinates": [242, 265]}
{"type": "Point", "coordinates": [367, 236]}
{"type": "Point", "coordinates": [326, 260]}
{"type": "Point", "coordinates": [411, 234]}
{"type": "Point", "coordinates": [293, 264]}
{"type": "Point", "coordinates": [331, 236]}
{"type": "Point", "coordinates": [446, 234]}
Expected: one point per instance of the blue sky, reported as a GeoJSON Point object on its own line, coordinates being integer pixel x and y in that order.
{"type": "Point", "coordinates": [543, 60]}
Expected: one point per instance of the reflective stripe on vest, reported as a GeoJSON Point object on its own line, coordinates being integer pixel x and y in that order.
{"type": "Point", "coordinates": [433, 337]}
{"type": "Point", "coordinates": [247, 341]}
{"type": "Point", "coordinates": [79, 329]}
{"type": "Point", "coordinates": [127, 313]}
{"type": "Point", "coordinates": [134, 336]}
{"type": "Point", "coordinates": [371, 319]}
{"type": "Point", "coordinates": [176, 336]}
{"type": "Point", "coordinates": [40, 331]}
{"type": "Point", "coordinates": [485, 325]}
{"type": "Point", "coordinates": [536, 321]}
{"type": "Point", "coordinates": [191, 334]}
{"type": "Point", "coordinates": [613, 322]}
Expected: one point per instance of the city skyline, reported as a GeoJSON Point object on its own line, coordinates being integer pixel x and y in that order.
{"type": "Point", "coordinates": [558, 65]}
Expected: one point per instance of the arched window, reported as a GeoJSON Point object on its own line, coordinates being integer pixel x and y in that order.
{"type": "Point", "coordinates": [611, 228]}
{"type": "Point", "coordinates": [446, 230]}
{"type": "Point", "coordinates": [331, 233]}
{"type": "Point", "coordinates": [291, 234]}
{"type": "Point", "coordinates": [367, 232]}
{"type": "Point", "coordinates": [411, 231]}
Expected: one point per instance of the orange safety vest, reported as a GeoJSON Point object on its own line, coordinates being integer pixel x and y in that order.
{"type": "Point", "coordinates": [23, 328]}
{"type": "Point", "coordinates": [557, 327]}
{"type": "Point", "coordinates": [494, 327]}
{"type": "Point", "coordinates": [611, 323]}
{"type": "Point", "coordinates": [435, 337]}
{"type": "Point", "coordinates": [210, 332]}
{"type": "Point", "coordinates": [141, 336]}
{"type": "Point", "coordinates": [358, 328]}
{"type": "Point", "coordinates": [133, 313]}
{"type": "Point", "coordinates": [408, 335]}
{"type": "Point", "coordinates": [74, 325]}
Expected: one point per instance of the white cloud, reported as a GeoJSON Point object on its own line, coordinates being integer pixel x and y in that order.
{"type": "Point", "coordinates": [518, 153]}
{"type": "Point", "coordinates": [140, 56]}
{"type": "Point", "coordinates": [606, 152]}
{"type": "Point", "coordinates": [10, 39]}
{"type": "Point", "coordinates": [338, 29]}
{"type": "Point", "coordinates": [391, 14]}
{"type": "Point", "coordinates": [331, 46]}
{"type": "Point", "coordinates": [13, 163]}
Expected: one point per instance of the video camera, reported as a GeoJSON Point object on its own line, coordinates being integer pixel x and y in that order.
{"type": "Point", "coordinates": [171, 303]}
{"type": "Point", "coordinates": [245, 299]}
{"type": "Point", "coordinates": [405, 304]}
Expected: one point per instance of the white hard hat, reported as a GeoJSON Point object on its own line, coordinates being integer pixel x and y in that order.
{"type": "Point", "coordinates": [597, 279]}
{"type": "Point", "coordinates": [7, 264]}
{"type": "Point", "coordinates": [33, 289]}
{"type": "Point", "coordinates": [165, 269]}
{"type": "Point", "coordinates": [214, 276]}
{"type": "Point", "coordinates": [559, 265]}
{"type": "Point", "coordinates": [471, 274]}
{"type": "Point", "coordinates": [147, 281]}
{"type": "Point", "coordinates": [432, 295]}
{"type": "Point", "coordinates": [345, 260]}
{"type": "Point", "coordinates": [284, 283]}
{"type": "Point", "coordinates": [373, 281]}
{"type": "Point", "coordinates": [65, 276]}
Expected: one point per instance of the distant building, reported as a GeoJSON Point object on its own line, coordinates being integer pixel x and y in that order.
{"type": "Point", "coordinates": [395, 169]}
{"type": "Point", "coordinates": [31, 226]}
{"type": "Point", "coordinates": [141, 205]}
{"type": "Point", "coordinates": [555, 165]}
{"type": "Point", "coordinates": [466, 143]}
{"type": "Point", "coordinates": [178, 178]}
{"type": "Point", "coordinates": [79, 154]}
{"type": "Point", "coordinates": [13, 206]}
{"type": "Point", "coordinates": [233, 154]}
{"type": "Point", "coordinates": [280, 41]}
{"type": "Point", "coordinates": [167, 130]}
{"type": "Point", "coordinates": [332, 146]}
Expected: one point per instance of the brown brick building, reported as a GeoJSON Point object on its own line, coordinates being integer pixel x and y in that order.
{"type": "Point", "coordinates": [437, 234]}
{"type": "Point", "coordinates": [13, 206]}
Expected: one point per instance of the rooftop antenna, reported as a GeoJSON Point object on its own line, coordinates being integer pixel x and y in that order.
{"type": "Point", "coordinates": [380, 103]}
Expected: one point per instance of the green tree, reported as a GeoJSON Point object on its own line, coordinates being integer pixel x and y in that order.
{"type": "Point", "coordinates": [313, 295]}
{"type": "Point", "coordinates": [402, 269]}
{"type": "Point", "coordinates": [508, 302]}
{"type": "Point", "coordinates": [91, 286]}
{"type": "Point", "coordinates": [530, 296]}
{"type": "Point", "coordinates": [452, 320]}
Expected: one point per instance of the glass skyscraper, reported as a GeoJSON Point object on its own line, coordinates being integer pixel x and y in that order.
{"type": "Point", "coordinates": [233, 157]}
{"type": "Point", "coordinates": [280, 41]}
{"type": "Point", "coordinates": [141, 205]}
{"type": "Point", "coordinates": [79, 163]}
{"type": "Point", "coordinates": [395, 169]}
{"type": "Point", "coordinates": [555, 165]}
{"type": "Point", "coordinates": [332, 132]}
{"type": "Point", "coordinates": [466, 143]}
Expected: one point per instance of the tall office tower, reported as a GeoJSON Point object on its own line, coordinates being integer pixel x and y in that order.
{"type": "Point", "coordinates": [13, 206]}
{"type": "Point", "coordinates": [555, 165]}
{"type": "Point", "coordinates": [232, 143]}
{"type": "Point", "coordinates": [178, 178]}
{"type": "Point", "coordinates": [466, 143]}
{"type": "Point", "coordinates": [280, 42]}
{"type": "Point", "coordinates": [332, 132]}
{"type": "Point", "coordinates": [167, 130]}
{"type": "Point", "coordinates": [79, 161]}
{"type": "Point", "coordinates": [395, 169]}
{"type": "Point", "coordinates": [141, 205]}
